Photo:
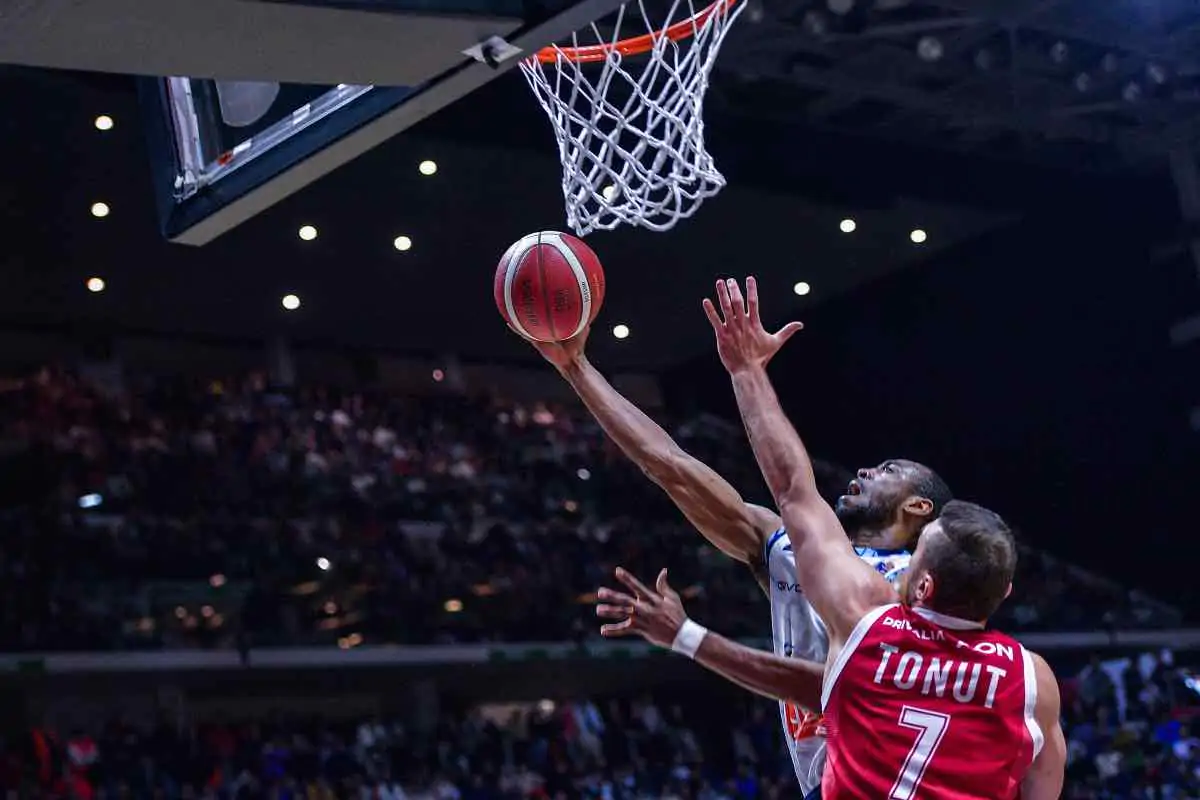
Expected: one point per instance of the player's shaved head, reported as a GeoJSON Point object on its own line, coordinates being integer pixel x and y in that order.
{"type": "Point", "coordinates": [970, 555]}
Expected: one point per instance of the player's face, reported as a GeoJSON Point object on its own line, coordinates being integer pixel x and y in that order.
{"type": "Point", "coordinates": [875, 495]}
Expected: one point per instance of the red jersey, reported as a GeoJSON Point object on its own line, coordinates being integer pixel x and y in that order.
{"type": "Point", "coordinates": [919, 705]}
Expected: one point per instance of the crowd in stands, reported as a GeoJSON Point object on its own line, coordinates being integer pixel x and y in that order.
{"type": "Point", "coordinates": [161, 513]}
{"type": "Point", "coordinates": [1128, 724]}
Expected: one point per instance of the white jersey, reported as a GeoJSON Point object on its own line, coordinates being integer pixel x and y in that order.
{"type": "Point", "coordinates": [798, 632]}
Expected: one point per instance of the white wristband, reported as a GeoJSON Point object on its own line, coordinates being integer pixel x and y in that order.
{"type": "Point", "coordinates": [688, 640]}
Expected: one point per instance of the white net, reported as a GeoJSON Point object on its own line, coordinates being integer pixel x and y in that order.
{"type": "Point", "coordinates": [627, 110]}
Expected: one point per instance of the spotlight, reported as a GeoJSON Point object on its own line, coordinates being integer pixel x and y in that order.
{"type": "Point", "coordinates": [290, 302]}
{"type": "Point", "coordinates": [621, 331]}
{"type": "Point", "coordinates": [427, 167]}
{"type": "Point", "coordinates": [104, 123]}
{"type": "Point", "coordinates": [848, 225]}
{"type": "Point", "coordinates": [307, 233]}
{"type": "Point", "coordinates": [95, 285]}
{"type": "Point", "coordinates": [402, 243]}
{"type": "Point", "coordinates": [100, 210]}
{"type": "Point", "coordinates": [918, 236]}
{"type": "Point", "coordinates": [929, 48]}
{"type": "Point", "coordinates": [802, 288]}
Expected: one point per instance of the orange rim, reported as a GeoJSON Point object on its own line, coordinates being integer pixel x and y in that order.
{"type": "Point", "coordinates": [635, 45]}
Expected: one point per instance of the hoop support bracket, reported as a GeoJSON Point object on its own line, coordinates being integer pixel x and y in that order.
{"type": "Point", "coordinates": [493, 51]}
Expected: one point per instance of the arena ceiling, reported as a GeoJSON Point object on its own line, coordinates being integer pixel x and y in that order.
{"type": "Point", "coordinates": [955, 118]}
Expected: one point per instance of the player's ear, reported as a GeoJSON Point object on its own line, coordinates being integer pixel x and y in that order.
{"type": "Point", "coordinates": [917, 506]}
{"type": "Point", "coordinates": [922, 586]}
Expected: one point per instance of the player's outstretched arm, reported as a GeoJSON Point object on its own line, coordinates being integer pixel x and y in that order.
{"type": "Point", "coordinates": [1044, 781]}
{"type": "Point", "coordinates": [711, 504]}
{"type": "Point", "coordinates": [658, 617]}
{"type": "Point", "coordinates": [840, 586]}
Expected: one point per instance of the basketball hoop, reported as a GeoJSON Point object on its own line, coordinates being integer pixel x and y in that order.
{"type": "Point", "coordinates": [628, 115]}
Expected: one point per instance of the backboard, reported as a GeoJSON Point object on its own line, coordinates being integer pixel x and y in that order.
{"type": "Point", "coordinates": [255, 128]}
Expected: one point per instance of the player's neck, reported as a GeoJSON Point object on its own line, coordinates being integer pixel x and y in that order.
{"type": "Point", "coordinates": [887, 538]}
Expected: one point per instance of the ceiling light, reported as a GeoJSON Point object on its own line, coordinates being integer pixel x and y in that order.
{"type": "Point", "coordinates": [621, 331]}
{"type": "Point", "coordinates": [100, 209]}
{"type": "Point", "coordinates": [95, 284]}
{"type": "Point", "coordinates": [402, 243]}
{"type": "Point", "coordinates": [610, 193]}
{"type": "Point", "coordinates": [104, 123]}
{"type": "Point", "coordinates": [918, 236]}
{"type": "Point", "coordinates": [929, 48]}
{"type": "Point", "coordinates": [848, 225]}
{"type": "Point", "coordinates": [290, 301]}
{"type": "Point", "coordinates": [307, 233]}
{"type": "Point", "coordinates": [802, 288]}
{"type": "Point", "coordinates": [427, 167]}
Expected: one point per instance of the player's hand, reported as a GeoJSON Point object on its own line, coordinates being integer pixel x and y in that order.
{"type": "Point", "coordinates": [655, 615]}
{"type": "Point", "coordinates": [742, 341]}
{"type": "Point", "coordinates": [560, 354]}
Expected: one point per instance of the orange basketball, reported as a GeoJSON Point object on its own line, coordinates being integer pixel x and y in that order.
{"type": "Point", "coordinates": [549, 286]}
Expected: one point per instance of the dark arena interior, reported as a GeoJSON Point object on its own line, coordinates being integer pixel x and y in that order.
{"type": "Point", "coordinates": [288, 513]}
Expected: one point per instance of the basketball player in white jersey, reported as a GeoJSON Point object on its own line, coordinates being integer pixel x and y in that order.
{"type": "Point", "coordinates": [883, 511]}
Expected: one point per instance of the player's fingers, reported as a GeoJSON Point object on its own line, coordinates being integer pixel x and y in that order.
{"type": "Point", "coordinates": [714, 319]}
{"type": "Point", "coordinates": [723, 299]}
{"type": "Point", "coordinates": [605, 611]}
{"type": "Point", "coordinates": [736, 302]}
{"type": "Point", "coordinates": [788, 331]}
{"type": "Point", "coordinates": [608, 595]}
{"type": "Point", "coordinates": [617, 628]}
{"type": "Point", "coordinates": [752, 299]}
{"type": "Point", "coordinates": [637, 587]}
{"type": "Point", "coordinates": [661, 584]}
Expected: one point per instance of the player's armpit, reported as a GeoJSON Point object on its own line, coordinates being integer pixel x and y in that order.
{"type": "Point", "coordinates": [708, 501]}
{"type": "Point", "coordinates": [841, 586]}
{"type": "Point", "coordinates": [1044, 781]}
{"type": "Point", "coordinates": [791, 680]}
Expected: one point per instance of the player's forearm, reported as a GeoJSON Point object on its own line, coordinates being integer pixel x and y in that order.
{"type": "Point", "coordinates": [640, 438]}
{"type": "Point", "coordinates": [781, 456]}
{"type": "Point", "coordinates": [788, 679]}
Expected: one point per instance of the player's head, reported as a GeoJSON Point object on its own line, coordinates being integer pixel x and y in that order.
{"type": "Point", "coordinates": [964, 563]}
{"type": "Point", "coordinates": [897, 491]}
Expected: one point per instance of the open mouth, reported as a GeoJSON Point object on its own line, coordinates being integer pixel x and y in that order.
{"type": "Point", "coordinates": [855, 488]}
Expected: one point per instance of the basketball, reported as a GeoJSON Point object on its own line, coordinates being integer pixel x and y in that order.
{"type": "Point", "coordinates": [549, 286]}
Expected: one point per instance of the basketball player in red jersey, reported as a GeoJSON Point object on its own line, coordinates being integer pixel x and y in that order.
{"type": "Point", "coordinates": [920, 700]}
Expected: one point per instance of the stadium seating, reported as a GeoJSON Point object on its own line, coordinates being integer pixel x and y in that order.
{"type": "Point", "coordinates": [222, 516]}
{"type": "Point", "coordinates": [208, 514]}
